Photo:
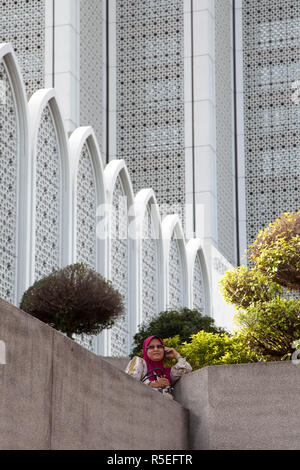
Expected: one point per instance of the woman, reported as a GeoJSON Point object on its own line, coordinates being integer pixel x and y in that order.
{"type": "Point", "coordinates": [151, 370]}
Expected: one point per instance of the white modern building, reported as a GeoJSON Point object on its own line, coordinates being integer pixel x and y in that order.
{"type": "Point", "coordinates": [151, 139]}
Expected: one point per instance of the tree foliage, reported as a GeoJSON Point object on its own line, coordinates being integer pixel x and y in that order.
{"type": "Point", "coordinates": [74, 300]}
{"type": "Point", "coordinates": [276, 251]}
{"type": "Point", "coordinates": [270, 328]}
{"type": "Point", "coordinates": [208, 349]}
{"type": "Point", "coordinates": [269, 322]}
{"type": "Point", "coordinates": [243, 287]}
{"type": "Point", "coordinates": [183, 322]}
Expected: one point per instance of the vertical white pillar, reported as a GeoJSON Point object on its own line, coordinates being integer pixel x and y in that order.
{"type": "Point", "coordinates": [62, 70]}
{"type": "Point", "coordinates": [200, 139]}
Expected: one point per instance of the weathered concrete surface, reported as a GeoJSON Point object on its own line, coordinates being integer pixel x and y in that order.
{"type": "Point", "coordinates": [98, 406]}
{"type": "Point", "coordinates": [118, 362]}
{"type": "Point", "coordinates": [54, 394]}
{"type": "Point", "coordinates": [245, 406]}
{"type": "Point", "coordinates": [25, 381]}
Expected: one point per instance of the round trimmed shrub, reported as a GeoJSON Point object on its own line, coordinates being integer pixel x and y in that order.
{"type": "Point", "coordinates": [74, 300]}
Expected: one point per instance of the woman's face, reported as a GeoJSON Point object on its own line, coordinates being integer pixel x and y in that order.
{"type": "Point", "coordinates": [155, 350]}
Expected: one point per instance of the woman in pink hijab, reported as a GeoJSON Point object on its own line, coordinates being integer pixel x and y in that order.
{"type": "Point", "coordinates": [151, 370]}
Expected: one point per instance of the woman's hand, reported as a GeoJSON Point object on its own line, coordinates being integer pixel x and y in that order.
{"type": "Point", "coordinates": [161, 382]}
{"type": "Point", "coordinates": [171, 353]}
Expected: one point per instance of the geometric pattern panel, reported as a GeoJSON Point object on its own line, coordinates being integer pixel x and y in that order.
{"type": "Point", "coordinates": [9, 141]}
{"type": "Point", "coordinates": [224, 128]}
{"type": "Point", "coordinates": [175, 275]}
{"type": "Point", "coordinates": [150, 267]}
{"type": "Point", "coordinates": [86, 210]}
{"type": "Point", "coordinates": [22, 23]}
{"type": "Point", "coordinates": [150, 97]}
{"type": "Point", "coordinates": [48, 197]}
{"type": "Point", "coordinates": [271, 50]}
{"type": "Point", "coordinates": [198, 286]}
{"type": "Point", "coordinates": [119, 268]}
{"type": "Point", "coordinates": [86, 222]}
{"type": "Point", "coordinates": [92, 68]}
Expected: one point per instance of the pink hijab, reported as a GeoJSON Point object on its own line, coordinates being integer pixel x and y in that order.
{"type": "Point", "coordinates": [155, 364]}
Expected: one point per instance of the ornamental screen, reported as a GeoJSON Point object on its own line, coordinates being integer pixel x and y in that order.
{"type": "Point", "coordinates": [119, 268]}
{"type": "Point", "coordinates": [86, 210]}
{"type": "Point", "coordinates": [198, 286]}
{"type": "Point", "coordinates": [271, 51]}
{"type": "Point", "coordinates": [150, 97]}
{"type": "Point", "coordinates": [224, 128]}
{"type": "Point", "coordinates": [175, 275]}
{"type": "Point", "coordinates": [48, 198]}
{"type": "Point", "coordinates": [150, 268]}
{"type": "Point", "coordinates": [9, 140]}
{"type": "Point", "coordinates": [22, 23]}
{"type": "Point", "coordinates": [92, 29]}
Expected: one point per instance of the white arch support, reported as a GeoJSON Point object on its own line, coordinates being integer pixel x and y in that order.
{"type": "Point", "coordinates": [81, 137]}
{"type": "Point", "coordinates": [121, 252]}
{"type": "Point", "coordinates": [176, 277]}
{"type": "Point", "coordinates": [13, 102]}
{"type": "Point", "coordinates": [41, 103]}
{"type": "Point", "coordinates": [150, 252]}
{"type": "Point", "coordinates": [194, 249]}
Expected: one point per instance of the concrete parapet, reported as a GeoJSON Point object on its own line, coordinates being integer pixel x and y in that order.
{"type": "Point", "coordinates": [244, 406]}
{"type": "Point", "coordinates": [54, 394]}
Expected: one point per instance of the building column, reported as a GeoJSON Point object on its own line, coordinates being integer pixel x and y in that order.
{"type": "Point", "coordinates": [62, 61]}
{"type": "Point", "coordinates": [200, 138]}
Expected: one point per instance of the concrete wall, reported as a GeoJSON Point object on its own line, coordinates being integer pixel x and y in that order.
{"type": "Point", "coordinates": [245, 406]}
{"type": "Point", "coordinates": [54, 394]}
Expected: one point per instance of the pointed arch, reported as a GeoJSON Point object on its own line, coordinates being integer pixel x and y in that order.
{"type": "Point", "coordinates": [15, 174]}
{"type": "Point", "coordinates": [121, 254]}
{"type": "Point", "coordinates": [176, 285]}
{"type": "Point", "coordinates": [198, 276]}
{"type": "Point", "coordinates": [150, 252]}
{"type": "Point", "coordinates": [88, 194]}
{"type": "Point", "coordinates": [51, 185]}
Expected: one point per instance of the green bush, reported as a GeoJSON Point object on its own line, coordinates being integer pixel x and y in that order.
{"type": "Point", "coordinates": [271, 327]}
{"type": "Point", "coordinates": [276, 251]}
{"type": "Point", "coordinates": [74, 300]}
{"type": "Point", "coordinates": [270, 323]}
{"type": "Point", "coordinates": [243, 287]}
{"type": "Point", "coordinates": [207, 349]}
{"type": "Point", "coordinates": [183, 322]}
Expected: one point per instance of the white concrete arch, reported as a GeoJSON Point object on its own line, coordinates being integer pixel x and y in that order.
{"type": "Point", "coordinates": [194, 248]}
{"type": "Point", "coordinates": [145, 201]}
{"type": "Point", "coordinates": [39, 102]}
{"type": "Point", "coordinates": [80, 137]}
{"type": "Point", "coordinates": [116, 174]}
{"type": "Point", "coordinates": [172, 228]}
{"type": "Point", "coordinates": [23, 183]}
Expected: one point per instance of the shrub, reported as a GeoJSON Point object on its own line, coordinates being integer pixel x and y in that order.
{"type": "Point", "coordinates": [276, 251]}
{"type": "Point", "coordinates": [207, 349]}
{"type": "Point", "coordinates": [269, 323]}
{"type": "Point", "coordinates": [243, 287]}
{"type": "Point", "coordinates": [74, 300]}
{"type": "Point", "coordinates": [271, 327]}
{"type": "Point", "coordinates": [183, 322]}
